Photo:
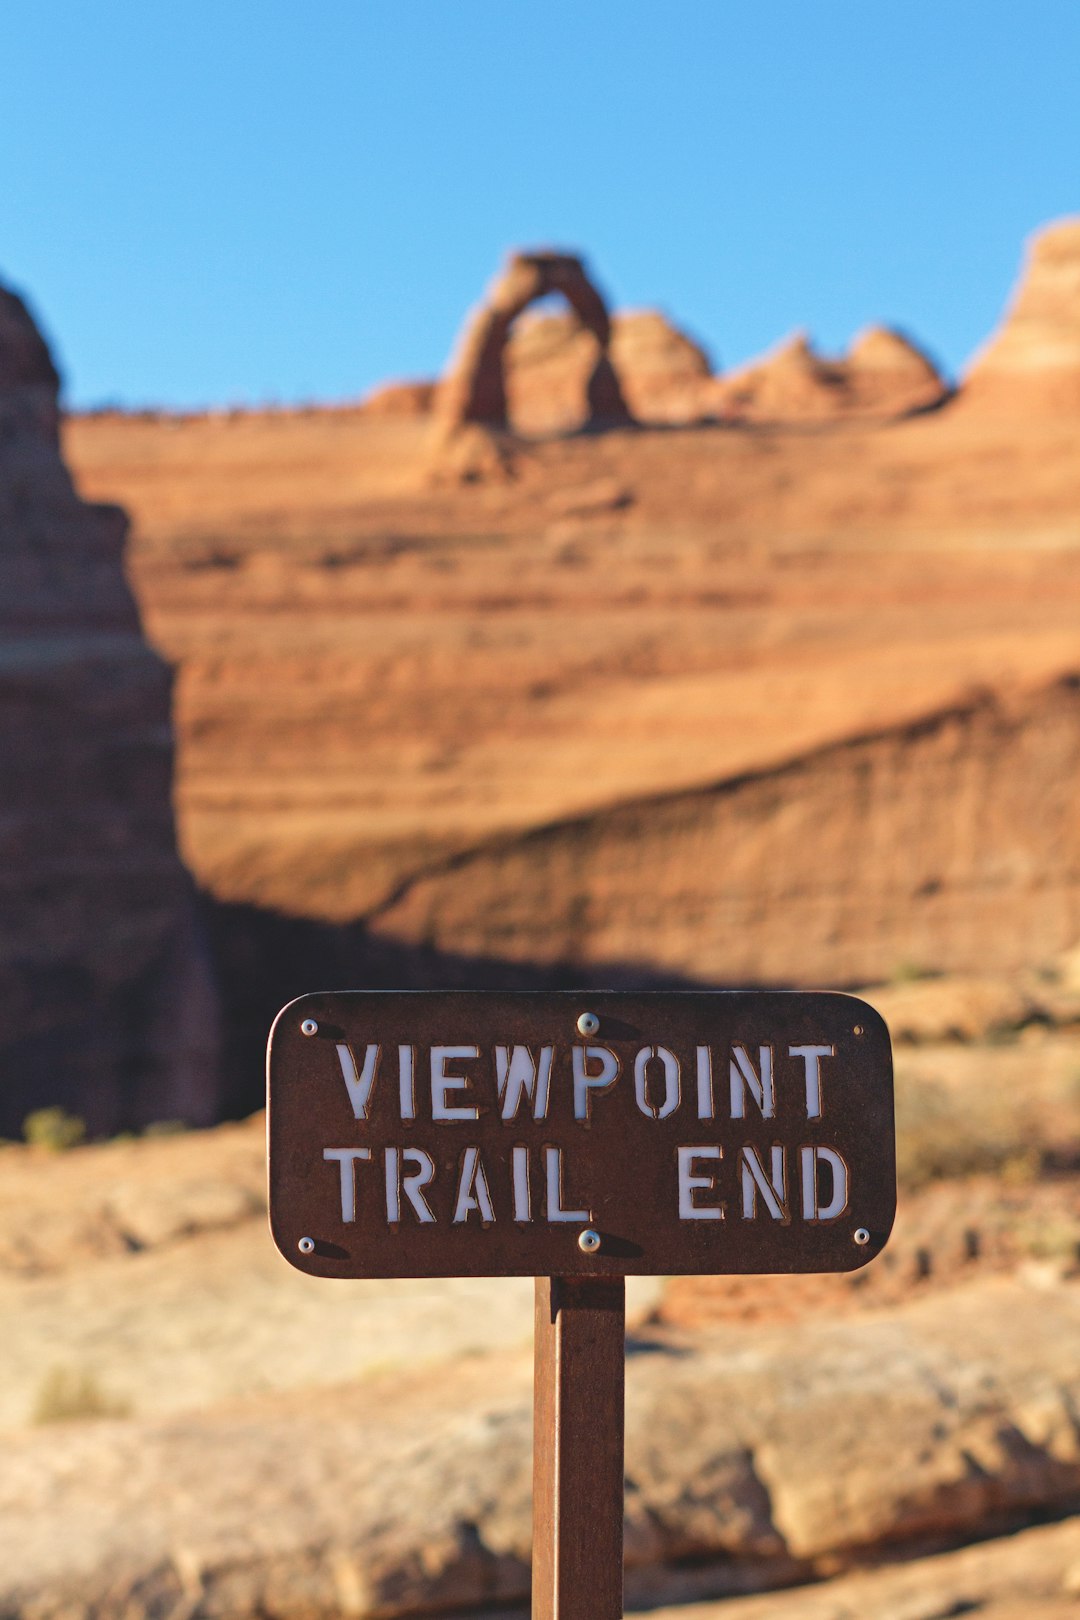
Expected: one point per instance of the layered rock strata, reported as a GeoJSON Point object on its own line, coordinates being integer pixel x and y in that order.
{"type": "Point", "coordinates": [952, 842]}
{"type": "Point", "coordinates": [106, 1004]}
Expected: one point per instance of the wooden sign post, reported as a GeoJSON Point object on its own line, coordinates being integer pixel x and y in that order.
{"type": "Point", "coordinates": [579, 1139]}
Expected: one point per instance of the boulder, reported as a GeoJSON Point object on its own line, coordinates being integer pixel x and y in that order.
{"type": "Point", "coordinates": [106, 1001]}
{"type": "Point", "coordinates": [1033, 362]}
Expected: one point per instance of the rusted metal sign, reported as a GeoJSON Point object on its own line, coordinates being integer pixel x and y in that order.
{"type": "Point", "coordinates": [461, 1134]}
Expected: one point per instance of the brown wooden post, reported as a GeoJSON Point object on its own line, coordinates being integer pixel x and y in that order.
{"type": "Point", "coordinates": [578, 1422]}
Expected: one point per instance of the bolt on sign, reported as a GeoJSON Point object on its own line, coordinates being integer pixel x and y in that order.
{"type": "Point", "coordinates": [477, 1134]}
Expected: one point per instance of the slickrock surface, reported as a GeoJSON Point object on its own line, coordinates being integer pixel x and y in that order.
{"type": "Point", "coordinates": [106, 1004]}
{"type": "Point", "coordinates": [146, 1267]}
{"type": "Point", "coordinates": [753, 1458]}
{"type": "Point", "coordinates": [1033, 362]}
{"type": "Point", "coordinates": [1031, 1576]}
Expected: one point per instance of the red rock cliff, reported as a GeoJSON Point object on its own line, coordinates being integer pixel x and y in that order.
{"type": "Point", "coordinates": [106, 1002]}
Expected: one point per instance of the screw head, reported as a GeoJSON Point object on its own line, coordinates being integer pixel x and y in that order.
{"type": "Point", "coordinates": [306, 1245]}
{"type": "Point", "coordinates": [309, 1027]}
{"type": "Point", "coordinates": [589, 1241]}
{"type": "Point", "coordinates": [861, 1236]}
{"type": "Point", "coordinates": [588, 1024]}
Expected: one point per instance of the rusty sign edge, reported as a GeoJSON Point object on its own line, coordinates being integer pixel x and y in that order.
{"type": "Point", "coordinates": [855, 1006]}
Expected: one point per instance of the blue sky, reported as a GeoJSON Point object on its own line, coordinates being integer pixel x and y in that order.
{"type": "Point", "coordinates": [257, 200]}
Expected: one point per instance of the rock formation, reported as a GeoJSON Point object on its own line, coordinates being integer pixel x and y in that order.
{"type": "Point", "coordinates": [1033, 363]}
{"type": "Point", "coordinates": [401, 399]}
{"type": "Point", "coordinates": [884, 374]}
{"type": "Point", "coordinates": [474, 391]}
{"type": "Point", "coordinates": [754, 1458]}
{"type": "Point", "coordinates": [662, 371]}
{"type": "Point", "coordinates": [826, 870]}
{"type": "Point", "coordinates": [106, 1004]}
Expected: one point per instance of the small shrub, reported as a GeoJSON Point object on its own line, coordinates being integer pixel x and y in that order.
{"type": "Point", "coordinates": [67, 1395]}
{"type": "Point", "coordinates": [54, 1129]}
{"type": "Point", "coordinates": [906, 972]}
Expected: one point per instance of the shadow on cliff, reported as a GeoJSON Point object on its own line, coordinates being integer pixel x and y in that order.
{"type": "Point", "coordinates": [265, 959]}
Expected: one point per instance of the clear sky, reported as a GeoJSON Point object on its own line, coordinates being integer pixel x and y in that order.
{"type": "Point", "coordinates": [225, 201]}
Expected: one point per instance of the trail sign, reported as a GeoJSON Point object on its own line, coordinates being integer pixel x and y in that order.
{"type": "Point", "coordinates": [576, 1134]}
{"type": "Point", "coordinates": [579, 1138]}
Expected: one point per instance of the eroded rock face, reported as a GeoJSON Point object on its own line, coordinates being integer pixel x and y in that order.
{"type": "Point", "coordinates": [663, 372]}
{"type": "Point", "coordinates": [1034, 360]}
{"type": "Point", "coordinates": [953, 842]}
{"type": "Point", "coordinates": [106, 1004]}
{"type": "Point", "coordinates": [474, 391]}
{"type": "Point", "coordinates": [883, 374]}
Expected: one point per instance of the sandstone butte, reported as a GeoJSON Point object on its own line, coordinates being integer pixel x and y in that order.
{"type": "Point", "coordinates": [743, 700]}
{"type": "Point", "coordinates": [106, 1005]}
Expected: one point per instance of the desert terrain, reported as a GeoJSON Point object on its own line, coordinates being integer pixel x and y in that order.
{"type": "Point", "coordinates": [776, 684]}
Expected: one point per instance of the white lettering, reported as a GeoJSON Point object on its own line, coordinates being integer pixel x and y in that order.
{"type": "Point", "coordinates": [555, 1211]}
{"type": "Point", "coordinates": [585, 1083]}
{"type": "Point", "coordinates": [518, 1074]}
{"type": "Point", "coordinates": [472, 1190]}
{"type": "Point", "coordinates": [442, 1083]}
{"type": "Point", "coordinates": [773, 1188]}
{"type": "Point", "coordinates": [811, 1056]}
{"type": "Point", "coordinates": [744, 1077]}
{"type": "Point", "coordinates": [519, 1159]}
{"type": "Point", "coordinates": [406, 1081]}
{"type": "Point", "coordinates": [412, 1185]}
{"type": "Point", "coordinates": [706, 1106]}
{"type": "Point", "coordinates": [812, 1210]}
{"type": "Point", "coordinates": [346, 1158]}
{"type": "Point", "coordinates": [690, 1182]}
{"type": "Point", "coordinates": [358, 1085]}
{"type": "Point", "coordinates": [672, 1081]}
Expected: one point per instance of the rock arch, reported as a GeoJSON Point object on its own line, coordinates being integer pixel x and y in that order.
{"type": "Point", "coordinates": [474, 390]}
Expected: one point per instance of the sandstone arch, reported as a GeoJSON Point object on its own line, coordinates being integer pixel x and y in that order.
{"type": "Point", "coordinates": [474, 391]}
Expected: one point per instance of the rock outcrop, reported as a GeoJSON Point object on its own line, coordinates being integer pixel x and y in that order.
{"type": "Point", "coordinates": [401, 399]}
{"type": "Point", "coordinates": [664, 374]}
{"type": "Point", "coordinates": [106, 1004]}
{"type": "Point", "coordinates": [474, 391]}
{"type": "Point", "coordinates": [1033, 363]}
{"type": "Point", "coordinates": [884, 374]}
{"type": "Point", "coordinates": [754, 1457]}
{"type": "Point", "coordinates": [952, 842]}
